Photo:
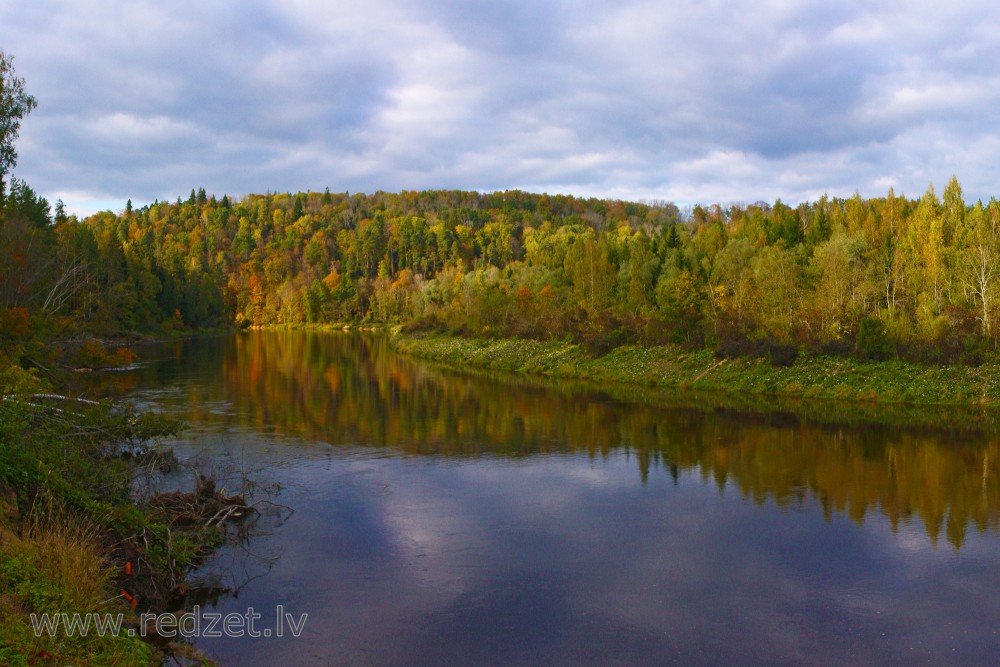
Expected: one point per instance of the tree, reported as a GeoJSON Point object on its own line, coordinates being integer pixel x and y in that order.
{"type": "Point", "coordinates": [980, 262]}
{"type": "Point", "coordinates": [926, 255]}
{"type": "Point", "coordinates": [953, 212]}
{"type": "Point", "coordinates": [590, 271]}
{"type": "Point", "coordinates": [733, 271]}
{"type": "Point", "coordinates": [892, 260]}
{"type": "Point", "coordinates": [682, 303]}
{"type": "Point", "coordinates": [778, 277]}
{"type": "Point", "coordinates": [840, 262]}
{"type": "Point", "coordinates": [15, 104]}
{"type": "Point", "coordinates": [639, 274]}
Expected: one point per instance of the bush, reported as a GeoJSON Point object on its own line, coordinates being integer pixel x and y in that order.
{"type": "Point", "coordinates": [872, 343]}
{"type": "Point", "coordinates": [14, 323]}
{"type": "Point", "coordinates": [953, 349]}
{"type": "Point", "coordinates": [836, 348]}
{"type": "Point", "coordinates": [733, 347]}
{"type": "Point", "coordinates": [95, 354]}
{"type": "Point", "coordinates": [776, 352]}
{"type": "Point", "coordinates": [427, 324]}
{"type": "Point", "coordinates": [602, 334]}
{"type": "Point", "coordinates": [782, 354]}
{"type": "Point", "coordinates": [600, 343]}
{"type": "Point", "coordinates": [242, 322]}
{"type": "Point", "coordinates": [973, 351]}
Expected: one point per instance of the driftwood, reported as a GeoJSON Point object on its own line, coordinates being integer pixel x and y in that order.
{"type": "Point", "coordinates": [205, 505]}
{"type": "Point", "coordinates": [27, 399]}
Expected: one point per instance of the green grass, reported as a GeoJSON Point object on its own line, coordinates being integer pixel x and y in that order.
{"type": "Point", "coordinates": [60, 568]}
{"type": "Point", "coordinates": [895, 383]}
{"type": "Point", "coordinates": [68, 521]}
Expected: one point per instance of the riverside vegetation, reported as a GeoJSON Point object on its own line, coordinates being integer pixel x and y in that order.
{"type": "Point", "coordinates": [76, 534]}
{"type": "Point", "coordinates": [894, 288]}
{"type": "Point", "coordinates": [888, 299]}
{"type": "Point", "coordinates": [671, 366]}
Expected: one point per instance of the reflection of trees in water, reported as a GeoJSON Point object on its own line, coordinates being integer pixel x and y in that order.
{"type": "Point", "coordinates": [342, 388]}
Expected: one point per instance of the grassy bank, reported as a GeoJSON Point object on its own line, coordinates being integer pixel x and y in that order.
{"type": "Point", "coordinates": [738, 382]}
{"type": "Point", "coordinates": [74, 536]}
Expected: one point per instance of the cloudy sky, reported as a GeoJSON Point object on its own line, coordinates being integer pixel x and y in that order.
{"type": "Point", "coordinates": [695, 101]}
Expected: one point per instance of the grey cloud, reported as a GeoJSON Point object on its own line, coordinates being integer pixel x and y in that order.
{"type": "Point", "coordinates": [700, 101]}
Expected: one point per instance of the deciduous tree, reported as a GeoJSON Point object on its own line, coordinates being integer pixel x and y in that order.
{"type": "Point", "coordinates": [15, 104]}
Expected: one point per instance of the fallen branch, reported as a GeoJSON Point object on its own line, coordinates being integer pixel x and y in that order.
{"type": "Point", "coordinates": [707, 370]}
{"type": "Point", "coordinates": [51, 397]}
{"type": "Point", "coordinates": [227, 512]}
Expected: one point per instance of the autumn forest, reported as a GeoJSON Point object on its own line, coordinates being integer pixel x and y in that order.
{"type": "Point", "coordinates": [877, 278]}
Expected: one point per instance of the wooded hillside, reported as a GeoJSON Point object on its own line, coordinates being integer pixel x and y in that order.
{"type": "Point", "coordinates": [878, 277]}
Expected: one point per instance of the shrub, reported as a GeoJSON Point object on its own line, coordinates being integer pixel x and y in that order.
{"type": "Point", "coordinates": [734, 346]}
{"type": "Point", "coordinates": [428, 323]}
{"type": "Point", "coordinates": [782, 354]}
{"type": "Point", "coordinates": [14, 322]}
{"type": "Point", "coordinates": [872, 343]}
{"type": "Point", "coordinates": [776, 352]}
{"type": "Point", "coordinates": [600, 342]}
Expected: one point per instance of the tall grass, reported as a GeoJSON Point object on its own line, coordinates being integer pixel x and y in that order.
{"type": "Point", "coordinates": [54, 563]}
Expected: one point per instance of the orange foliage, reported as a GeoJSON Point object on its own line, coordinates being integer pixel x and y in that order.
{"type": "Point", "coordinates": [332, 280]}
{"type": "Point", "coordinates": [404, 279]}
{"type": "Point", "coordinates": [14, 322]}
{"type": "Point", "coordinates": [93, 354]}
{"type": "Point", "coordinates": [123, 356]}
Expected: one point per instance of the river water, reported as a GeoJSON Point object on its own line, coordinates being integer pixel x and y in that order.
{"type": "Point", "coordinates": [420, 516]}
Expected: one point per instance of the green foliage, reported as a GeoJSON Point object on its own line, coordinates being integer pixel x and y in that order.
{"type": "Point", "coordinates": [508, 263]}
{"type": "Point", "coordinates": [60, 569]}
{"type": "Point", "coordinates": [67, 468]}
{"type": "Point", "coordinates": [773, 370]}
{"type": "Point", "coordinates": [514, 263]}
{"type": "Point", "coordinates": [873, 343]}
{"type": "Point", "coordinates": [15, 104]}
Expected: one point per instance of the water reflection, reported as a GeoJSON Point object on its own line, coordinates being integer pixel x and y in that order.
{"type": "Point", "coordinates": [446, 518]}
{"type": "Point", "coordinates": [347, 389]}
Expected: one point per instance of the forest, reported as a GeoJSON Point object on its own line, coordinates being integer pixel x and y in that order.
{"type": "Point", "coordinates": [877, 278]}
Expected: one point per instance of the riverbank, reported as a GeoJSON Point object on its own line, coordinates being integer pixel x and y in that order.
{"type": "Point", "coordinates": [885, 383]}
{"type": "Point", "coordinates": [319, 326]}
{"type": "Point", "coordinates": [76, 538]}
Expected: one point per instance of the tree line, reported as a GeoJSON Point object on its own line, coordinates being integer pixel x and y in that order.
{"type": "Point", "coordinates": [879, 277]}
{"type": "Point", "coordinates": [875, 277]}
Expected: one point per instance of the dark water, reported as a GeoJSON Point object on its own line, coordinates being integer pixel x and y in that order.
{"type": "Point", "coordinates": [445, 519]}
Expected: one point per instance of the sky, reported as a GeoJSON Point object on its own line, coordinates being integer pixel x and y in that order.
{"type": "Point", "coordinates": [697, 101]}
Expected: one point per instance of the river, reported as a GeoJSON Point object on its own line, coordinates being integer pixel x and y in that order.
{"type": "Point", "coordinates": [427, 517]}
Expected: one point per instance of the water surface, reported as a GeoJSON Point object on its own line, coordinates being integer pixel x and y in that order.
{"type": "Point", "coordinates": [442, 518]}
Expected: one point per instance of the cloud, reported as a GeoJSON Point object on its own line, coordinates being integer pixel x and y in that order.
{"type": "Point", "coordinates": [695, 101]}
